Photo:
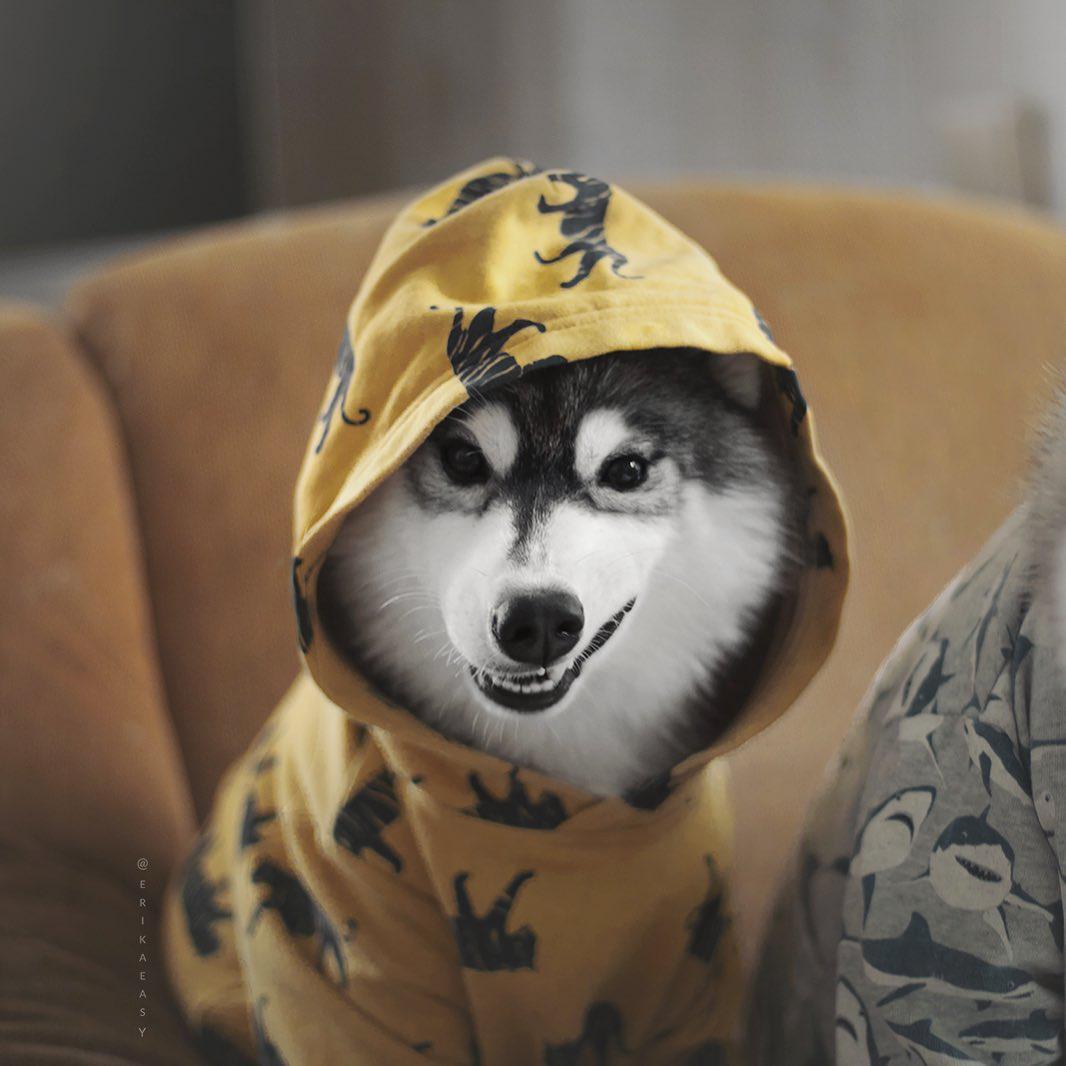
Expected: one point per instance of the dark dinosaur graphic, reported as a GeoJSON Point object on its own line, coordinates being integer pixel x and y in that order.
{"type": "Point", "coordinates": [365, 814]}
{"type": "Point", "coordinates": [764, 326]}
{"type": "Point", "coordinates": [708, 922]}
{"type": "Point", "coordinates": [477, 352]}
{"type": "Point", "coordinates": [217, 1050]}
{"type": "Point", "coordinates": [343, 371]}
{"type": "Point", "coordinates": [298, 912]}
{"type": "Point", "coordinates": [199, 899]}
{"type": "Point", "coordinates": [788, 383]}
{"type": "Point", "coordinates": [304, 629]}
{"type": "Point", "coordinates": [251, 821]}
{"type": "Point", "coordinates": [651, 794]}
{"type": "Point", "coordinates": [484, 942]}
{"type": "Point", "coordinates": [819, 554]}
{"type": "Point", "coordinates": [583, 224]}
{"type": "Point", "coordinates": [516, 808]}
{"type": "Point", "coordinates": [481, 186]}
{"type": "Point", "coordinates": [601, 1032]}
{"type": "Point", "coordinates": [267, 1051]}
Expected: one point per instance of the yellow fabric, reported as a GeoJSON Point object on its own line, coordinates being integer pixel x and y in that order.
{"type": "Point", "coordinates": [366, 890]}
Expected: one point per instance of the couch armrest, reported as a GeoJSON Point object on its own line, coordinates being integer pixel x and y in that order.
{"type": "Point", "coordinates": [71, 984]}
{"type": "Point", "coordinates": [91, 780]}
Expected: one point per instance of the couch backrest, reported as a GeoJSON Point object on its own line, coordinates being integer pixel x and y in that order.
{"type": "Point", "coordinates": [919, 329]}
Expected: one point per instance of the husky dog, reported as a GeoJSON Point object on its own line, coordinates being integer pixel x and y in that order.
{"type": "Point", "coordinates": [578, 571]}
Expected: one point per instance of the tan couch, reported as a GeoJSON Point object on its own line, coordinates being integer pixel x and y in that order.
{"type": "Point", "coordinates": [148, 443]}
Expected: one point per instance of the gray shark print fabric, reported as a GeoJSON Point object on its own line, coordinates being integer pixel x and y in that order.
{"type": "Point", "coordinates": [923, 917]}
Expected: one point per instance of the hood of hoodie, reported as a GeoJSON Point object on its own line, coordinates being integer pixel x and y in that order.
{"type": "Point", "coordinates": [500, 272]}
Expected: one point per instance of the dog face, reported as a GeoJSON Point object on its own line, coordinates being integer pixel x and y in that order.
{"type": "Point", "coordinates": [574, 553]}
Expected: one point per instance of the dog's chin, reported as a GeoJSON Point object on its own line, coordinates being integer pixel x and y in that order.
{"type": "Point", "coordinates": [543, 691]}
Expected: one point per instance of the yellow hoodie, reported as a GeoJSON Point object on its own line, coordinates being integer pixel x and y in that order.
{"type": "Point", "coordinates": [367, 891]}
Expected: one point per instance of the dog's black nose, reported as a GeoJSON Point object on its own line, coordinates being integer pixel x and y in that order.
{"type": "Point", "coordinates": [538, 628]}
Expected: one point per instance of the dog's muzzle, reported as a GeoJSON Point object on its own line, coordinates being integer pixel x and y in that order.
{"type": "Point", "coordinates": [536, 691]}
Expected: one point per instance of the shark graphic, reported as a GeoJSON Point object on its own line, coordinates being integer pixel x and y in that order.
{"type": "Point", "coordinates": [993, 753]}
{"type": "Point", "coordinates": [914, 960]}
{"type": "Point", "coordinates": [855, 1042]}
{"type": "Point", "coordinates": [919, 713]}
{"type": "Point", "coordinates": [1037, 1034]}
{"type": "Point", "coordinates": [927, 1047]}
{"type": "Point", "coordinates": [971, 868]}
{"type": "Point", "coordinates": [888, 834]}
{"type": "Point", "coordinates": [1047, 759]}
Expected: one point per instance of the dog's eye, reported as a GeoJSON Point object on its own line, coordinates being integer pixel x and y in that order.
{"type": "Point", "coordinates": [463, 462]}
{"type": "Point", "coordinates": [624, 472]}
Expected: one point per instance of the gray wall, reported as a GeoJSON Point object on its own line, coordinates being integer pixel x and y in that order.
{"type": "Point", "coordinates": [349, 97]}
{"type": "Point", "coordinates": [116, 116]}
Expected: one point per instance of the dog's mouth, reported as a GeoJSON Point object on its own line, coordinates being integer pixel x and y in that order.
{"type": "Point", "coordinates": [537, 691]}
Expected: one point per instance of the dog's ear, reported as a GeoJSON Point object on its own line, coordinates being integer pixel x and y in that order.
{"type": "Point", "coordinates": [740, 377]}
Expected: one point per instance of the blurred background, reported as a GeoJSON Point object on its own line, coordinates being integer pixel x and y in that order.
{"type": "Point", "coordinates": [124, 119]}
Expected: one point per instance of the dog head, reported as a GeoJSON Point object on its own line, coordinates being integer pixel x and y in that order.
{"type": "Point", "coordinates": [571, 557]}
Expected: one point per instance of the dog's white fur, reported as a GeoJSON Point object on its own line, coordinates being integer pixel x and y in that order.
{"type": "Point", "coordinates": [420, 589]}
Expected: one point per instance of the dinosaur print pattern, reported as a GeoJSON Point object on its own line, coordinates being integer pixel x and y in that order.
{"type": "Point", "coordinates": [516, 808]}
{"type": "Point", "coordinates": [583, 226]}
{"type": "Point", "coordinates": [477, 353]}
{"type": "Point", "coordinates": [484, 941]}
{"type": "Point", "coordinates": [707, 923]}
{"type": "Point", "coordinates": [299, 913]}
{"type": "Point", "coordinates": [304, 628]}
{"type": "Point", "coordinates": [600, 1036]}
{"type": "Point", "coordinates": [251, 821]}
{"type": "Point", "coordinates": [476, 188]}
{"type": "Point", "coordinates": [343, 371]}
{"type": "Point", "coordinates": [924, 922]}
{"type": "Point", "coordinates": [365, 815]}
{"type": "Point", "coordinates": [200, 901]}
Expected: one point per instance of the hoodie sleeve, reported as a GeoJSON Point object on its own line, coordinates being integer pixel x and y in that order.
{"type": "Point", "coordinates": [952, 916]}
{"type": "Point", "coordinates": [924, 921]}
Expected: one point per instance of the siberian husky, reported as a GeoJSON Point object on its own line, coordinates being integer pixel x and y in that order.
{"type": "Point", "coordinates": [577, 572]}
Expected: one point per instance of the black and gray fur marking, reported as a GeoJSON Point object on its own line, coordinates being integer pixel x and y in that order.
{"type": "Point", "coordinates": [671, 396]}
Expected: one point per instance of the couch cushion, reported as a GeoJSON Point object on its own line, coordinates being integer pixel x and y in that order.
{"type": "Point", "coordinates": [89, 768]}
{"type": "Point", "coordinates": [919, 329]}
